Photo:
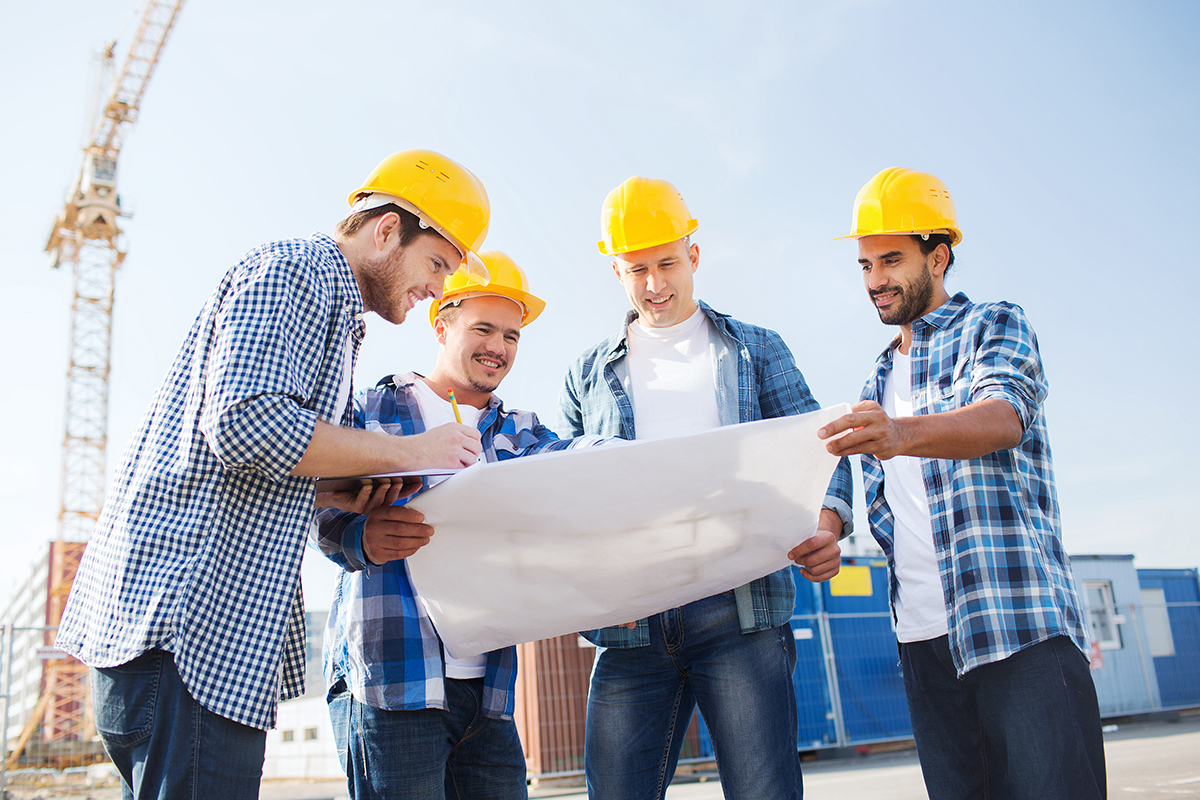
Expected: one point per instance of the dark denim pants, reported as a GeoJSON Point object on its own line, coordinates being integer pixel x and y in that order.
{"type": "Point", "coordinates": [642, 699]}
{"type": "Point", "coordinates": [166, 745]}
{"type": "Point", "coordinates": [428, 754]}
{"type": "Point", "coordinates": [1024, 727]}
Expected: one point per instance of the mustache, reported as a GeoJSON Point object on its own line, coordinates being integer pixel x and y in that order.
{"type": "Point", "coordinates": [876, 292]}
{"type": "Point", "coordinates": [491, 357]}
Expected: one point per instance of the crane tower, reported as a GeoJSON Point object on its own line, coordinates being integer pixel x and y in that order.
{"type": "Point", "coordinates": [86, 238]}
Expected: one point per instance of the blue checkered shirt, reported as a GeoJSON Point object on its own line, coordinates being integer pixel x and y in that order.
{"type": "Point", "coordinates": [1007, 581]}
{"type": "Point", "coordinates": [198, 548]}
{"type": "Point", "coordinates": [756, 378]}
{"type": "Point", "coordinates": [380, 639]}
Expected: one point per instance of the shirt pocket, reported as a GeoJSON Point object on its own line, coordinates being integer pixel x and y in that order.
{"type": "Point", "coordinates": [952, 392]}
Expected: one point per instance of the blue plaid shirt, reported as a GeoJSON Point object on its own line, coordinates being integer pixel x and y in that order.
{"type": "Point", "coordinates": [1007, 581]}
{"type": "Point", "coordinates": [756, 379]}
{"type": "Point", "coordinates": [198, 548]}
{"type": "Point", "coordinates": [380, 639]}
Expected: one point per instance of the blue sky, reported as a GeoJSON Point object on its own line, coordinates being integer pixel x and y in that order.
{"type": "Point", "coordinates": [1065, 131]}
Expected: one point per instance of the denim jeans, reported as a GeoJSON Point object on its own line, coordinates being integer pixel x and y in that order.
{"type": "Point", "coordinates": [642, 699]}
{"type": "Point", "coordinates": [428, 754]}
{"type": "Point", "coordinates": [165, 745]}
{"type": "Point", "coordinates": [1024, 727]}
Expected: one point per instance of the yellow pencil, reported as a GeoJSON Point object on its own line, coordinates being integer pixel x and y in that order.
{"type": "Point", "coordinates": [454, 405]}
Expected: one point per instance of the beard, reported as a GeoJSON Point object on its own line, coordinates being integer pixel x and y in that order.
{"type": "Point", "coordinates": [914, 299]}
{"type": "Point", "coordinates": [380, 283]}
{"type": "Point", "coordinates": [486, 384]}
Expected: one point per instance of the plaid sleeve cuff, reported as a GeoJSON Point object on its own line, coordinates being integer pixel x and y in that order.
{"type": "Point", "coordinates": [267, 434]}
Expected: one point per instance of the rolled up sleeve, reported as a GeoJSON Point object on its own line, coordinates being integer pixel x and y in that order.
{"type": "Point", "coordinates": [1008, 364]}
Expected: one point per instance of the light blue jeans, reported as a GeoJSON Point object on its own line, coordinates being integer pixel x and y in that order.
{"type": "Point", "coordinates": [642, 699]}
{"type": "Point", "coordinates": [165, 745]}
{"type": "Point", "coordinates": [428, 754]}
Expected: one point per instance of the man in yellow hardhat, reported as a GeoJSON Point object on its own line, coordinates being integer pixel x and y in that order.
{"type": "Point", "coordinates": [675, 367]}
{"type": "Point", "coordinates": [410, 720]}
{"type": "Point", "coordinates": [961, 497]}
{"type": "Point", "coordinates": [187, 603]}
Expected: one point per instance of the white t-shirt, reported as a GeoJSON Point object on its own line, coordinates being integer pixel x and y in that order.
{"type": "Point", "coordinates": [671, 378]}
{"type": "Point", "coordinates": [920, 603]}
{"type": "Point", "coordinates": [436, 410]}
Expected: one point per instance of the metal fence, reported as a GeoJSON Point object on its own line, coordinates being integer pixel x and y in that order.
{"type": "Point", "coordinates": [848, 686]}
{"type": "Point", "coordinates": [48, 729]}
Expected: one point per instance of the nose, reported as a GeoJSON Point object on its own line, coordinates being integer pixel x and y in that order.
{"type": "Point", "coordinates": [874, 279]}
{"type": "Point", "coordinates": [654, 281]}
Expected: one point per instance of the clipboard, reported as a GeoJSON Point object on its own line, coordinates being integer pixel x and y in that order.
{"type": "Point", "coordinates": [355, 482]}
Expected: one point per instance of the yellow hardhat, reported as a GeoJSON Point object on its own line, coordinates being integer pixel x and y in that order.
{"type": "Point", "coordinates": [900, 200]}
{"type": "Point", "coordinates": [508, 280]}
{"type": "Point", "coordinates": [641, 213]}
{"type": "Point", "coordinates": [444, 195]}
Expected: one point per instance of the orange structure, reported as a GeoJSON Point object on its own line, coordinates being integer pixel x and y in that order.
{"type": "Point", "coordinates": [85, 237]}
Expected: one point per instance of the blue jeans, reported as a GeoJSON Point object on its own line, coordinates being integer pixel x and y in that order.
{"type": "Point", "coordinates": [165, 745]}
{"type": "Point", "coordinates": [1024, 727]}
{"type": "Point", "coordinates": [642, 698]}
{"type": "Point", "coordinates": [428, 754]}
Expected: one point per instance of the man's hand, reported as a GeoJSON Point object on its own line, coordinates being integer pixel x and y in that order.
{"type": "Point", "coordinates": [819, 557]}
{"type": "Point", "coordinates": [448, 446]}
{"type": "Point", "coordinates": [394, 532]}
{"type": "Point", "coordinates": [369, 495]}
{"type": "Point", "coordinates": [972, 431]}
{"type": "Point", "coordinates": [871, 431]}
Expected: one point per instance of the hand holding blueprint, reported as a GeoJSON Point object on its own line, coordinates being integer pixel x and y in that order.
{"type": "Point", "coordinates": [580, 539]}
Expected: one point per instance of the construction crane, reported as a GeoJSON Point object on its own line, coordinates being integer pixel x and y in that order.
{"type": "Point", "coordinates": [86, 237]}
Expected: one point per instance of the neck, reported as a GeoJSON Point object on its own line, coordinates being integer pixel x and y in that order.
{"type": "Point", "coordinates": [464, 395]}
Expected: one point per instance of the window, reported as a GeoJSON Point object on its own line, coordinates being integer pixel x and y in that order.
{"type": "Point", "coordinates": [1102, 615]}
{"type": "Point", "coordinates": [1158, 623]}
{"type": "Point", "coordinates": [310, 734]}
{"type": "Point", "coordinates": [288, 736]}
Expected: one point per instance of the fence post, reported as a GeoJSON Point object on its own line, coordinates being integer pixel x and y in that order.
{"type": "Point", "coordinates": [1137, 634]}
{"type": "Point", "coordinates": [7, 635]}
{"type": "Point", "coordinates": [831, 672]}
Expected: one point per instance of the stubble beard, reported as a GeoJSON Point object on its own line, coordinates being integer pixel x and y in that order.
{"type": "Point", "coordinates": [914, 300]}
{"type": "Point", "coordinates": [380, 284]}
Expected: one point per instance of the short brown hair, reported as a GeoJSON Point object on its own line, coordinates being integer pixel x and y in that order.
{"type": "Point", "coordinates": [410, 225]}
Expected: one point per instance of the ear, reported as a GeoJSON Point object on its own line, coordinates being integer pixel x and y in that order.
{"type": "Point", "coordinates": [941, 257]}
{"type": "Point", "coordinates": [617, 271]}
{"type": "Point", "coordinates": [386, 226]}
{"type": "Point", "coordinates": [694, 256]}
{"type": "Point", "coordinates": [439, 328]}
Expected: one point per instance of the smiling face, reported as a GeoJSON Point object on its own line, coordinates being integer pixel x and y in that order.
{"type": "Point", "coordinates": [400, 276]}
{"type": "Point", "coordinates": [903, 283]}
{"type": "Point", "coordinates": [658, 282]}
{"type": "Point", "coordinates": [478, 346]}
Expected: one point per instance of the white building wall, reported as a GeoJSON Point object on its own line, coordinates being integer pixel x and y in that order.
{"type": "Point", "coordinates": [301, 746]}
{"type": "Point", "coordinates": [25, 614]}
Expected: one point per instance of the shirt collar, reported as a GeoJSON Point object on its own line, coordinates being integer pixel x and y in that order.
{"type": "Point", "coordinates": [620, 344]}
{"type": "Point", "coordinates": [940, 318]}
{"type": "Point", "coordinates": [354, 299]}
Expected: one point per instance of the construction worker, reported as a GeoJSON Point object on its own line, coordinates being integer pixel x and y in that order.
{"type": "Point", "coordinates": [187, 602]}
{"type": "Point", "coordinates": [675, 367]}
{"type": "Point", "coordinates": [961, 497]}
{"type": "Point", "coordinates": [409, 719]}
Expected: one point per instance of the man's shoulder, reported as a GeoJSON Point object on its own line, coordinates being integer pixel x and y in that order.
{"type": "Point", "coordinates": [597, 353]}
{"type": "Point", "coordinates": [391, 397]}
{"type": "Point", "coordinates": [315, 260]}
{"type": "Point", "coordinates": [740, 327]}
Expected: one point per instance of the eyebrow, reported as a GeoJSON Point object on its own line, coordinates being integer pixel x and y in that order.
{"type": "Point", "coordinates": [892, 254]}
